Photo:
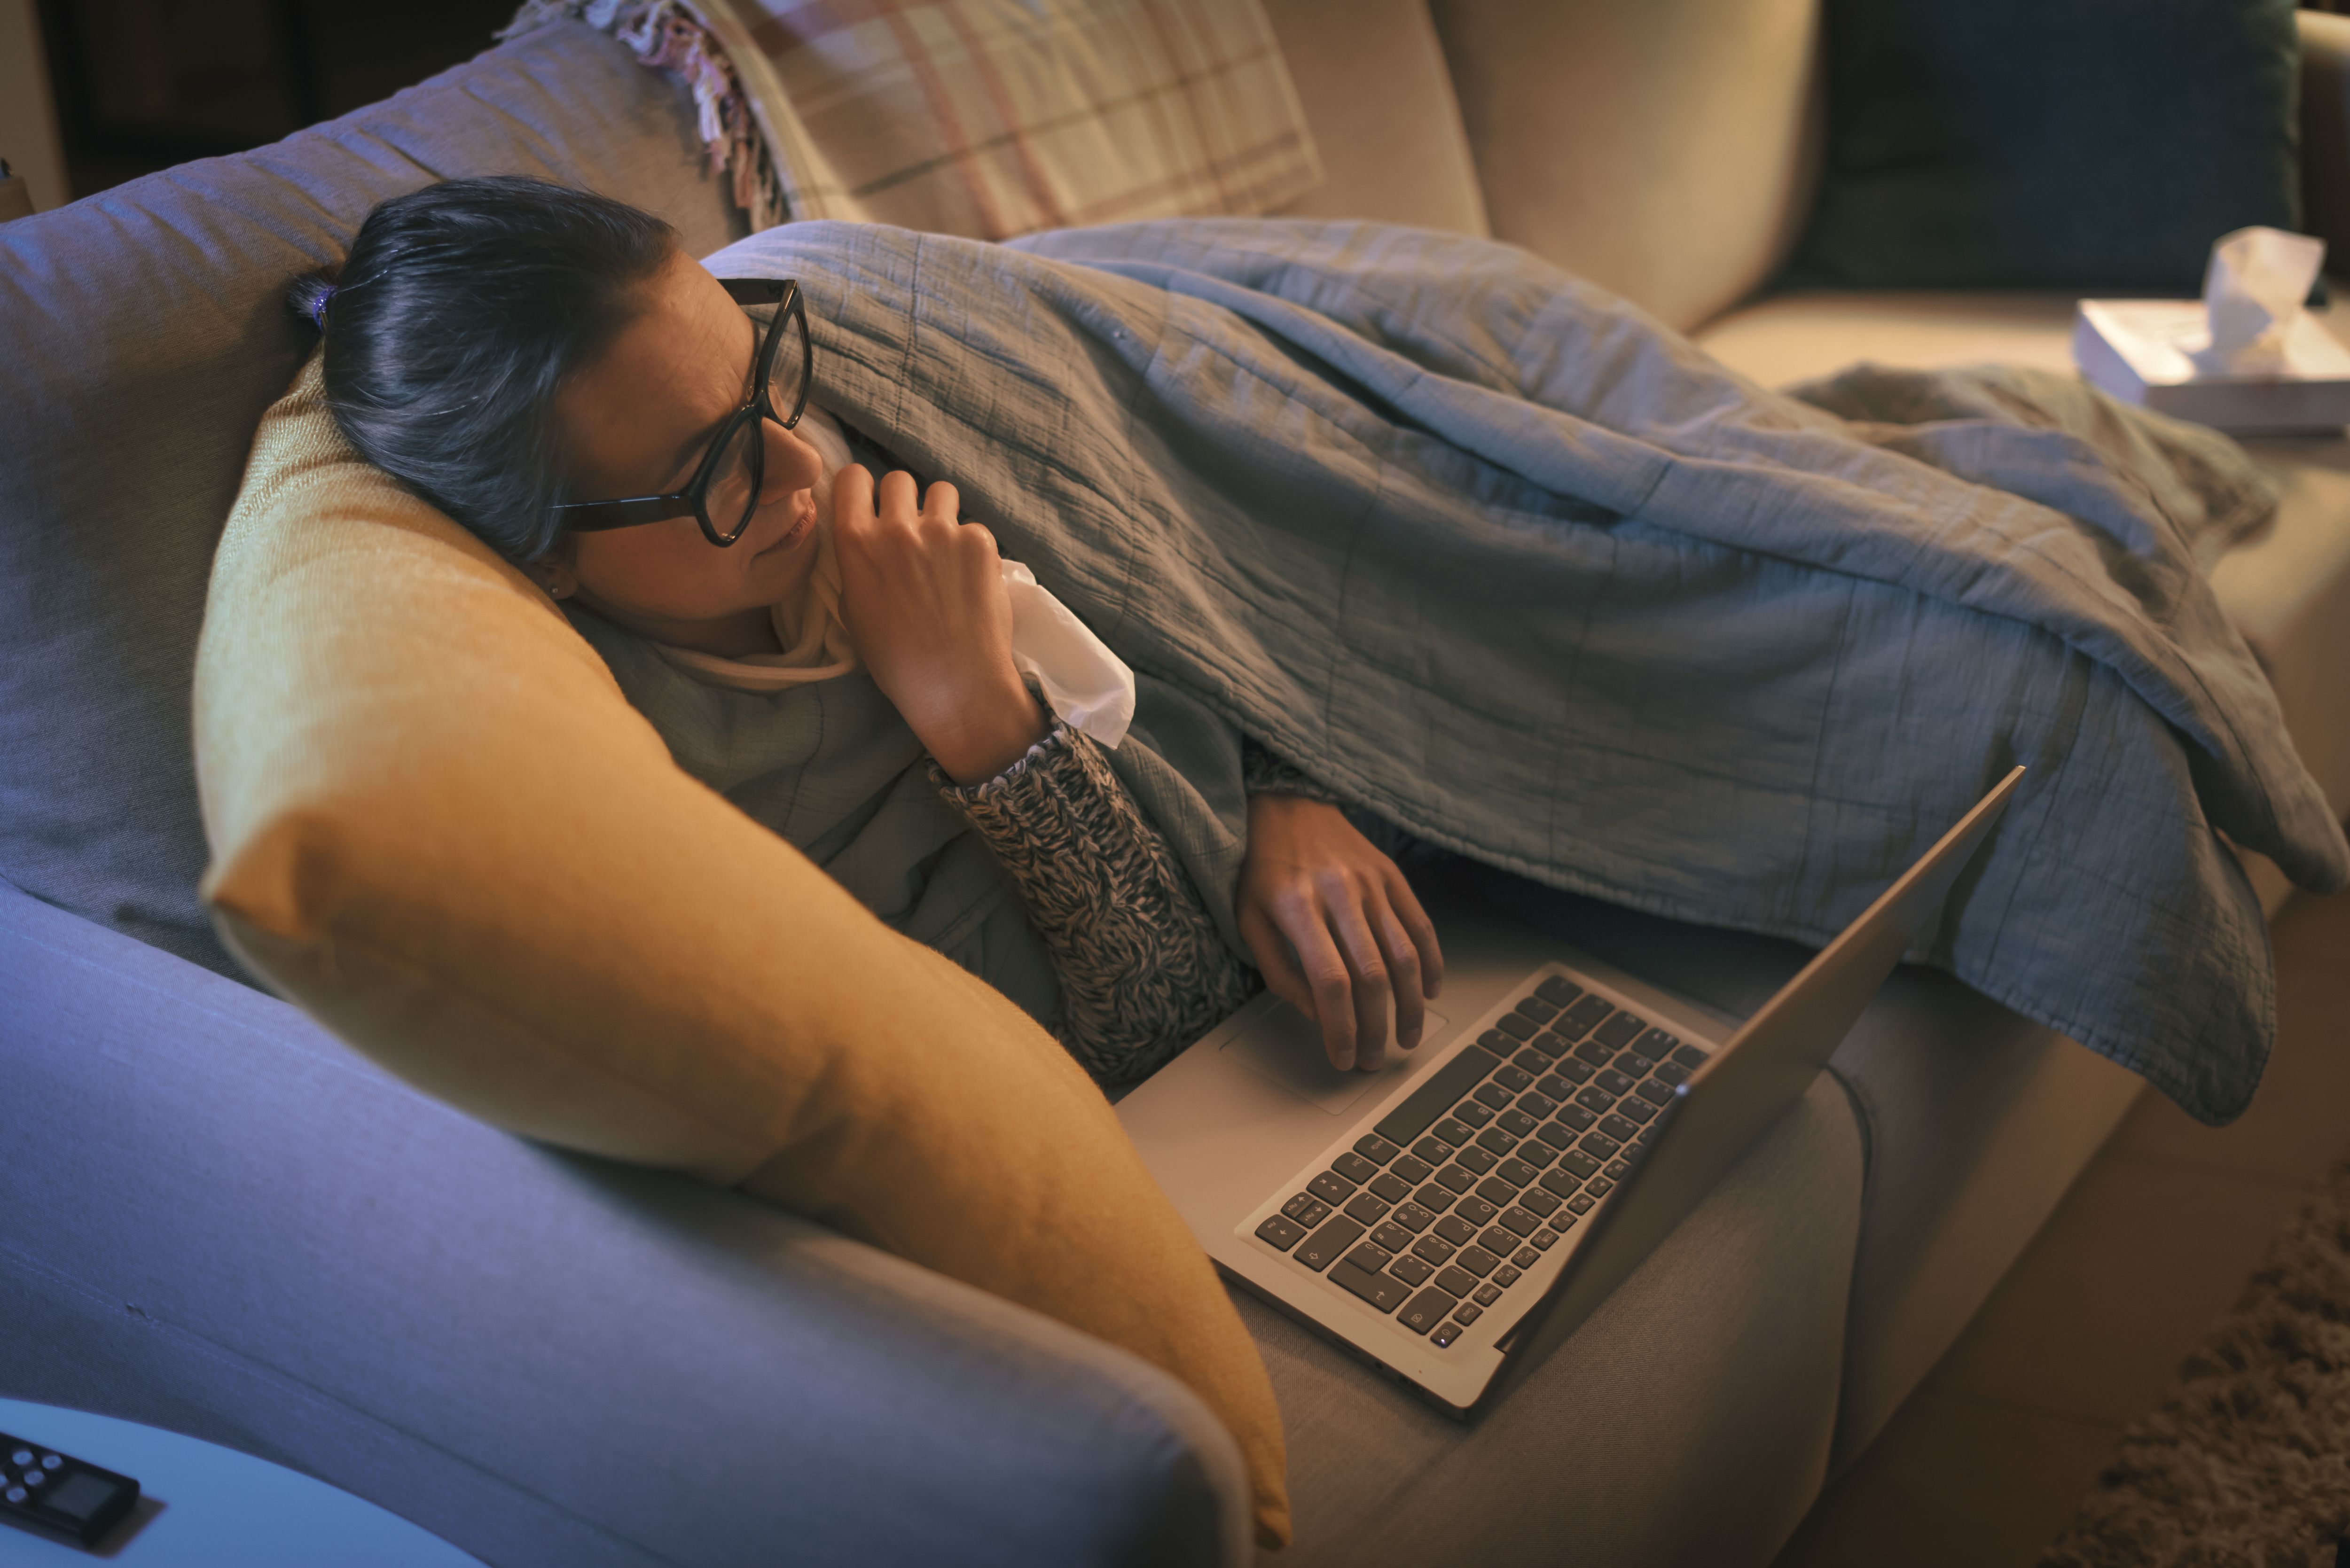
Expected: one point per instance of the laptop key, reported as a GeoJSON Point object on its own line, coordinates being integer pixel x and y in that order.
{"type": "Point", "coordinates": [1499, 1043]}
{"type": "Point", "coordinates": [1493, 1189]}
{"type": "Point", "coordinates": [1618, 1169]}
{"type": "Point", "coordinates": [1329, 1243]}
{"type": "Point", "coordinates": [1433, 1151]}
{"type": "Point", "coordinates": [1531, 1062]}
{"type": "Point", "coordinates": [1576, 1117]}
{"type": "Point", "coordinates": [1413, 1169]}
{"type": "Point", "coordinates": [1354, 1168]}
{"type": "Point", "coordinates": [1516, 1173]}
{"type": "Point", "coordinates": [1538, 1155]}
{"type": "Point", "coordinates": [1538, 1200]}
{"type": "Point", "coordinates": [1583, 1165]}
{"type": "Point", "coordinates": [1536, 1104]}
{"type": "Point", "coordinates": [1595, 1054]}
{"type": "Point", "coordinates": [1452, 1231]}
{"type": "Point", "coordinates": [1656, 1042]}
{"type": "Point", "coordinates": [1562, 1182]}
{"type": "Point", "coordinates": [1454, 1132]}
{"type": "Point", "coordinates": [1595, 1098]}
{"type": "Point", "coordinates": [1456, 1281]}
{"type": "Point", "coordinates": [1536, 1008]}
{"type": "Point", "coordinates": [1487, 1293]}
{"type": "Point", "coordinates": [1508, 1274]}
{"type": "Point", "coordinates": [1306, 1210]}
{"type": "Point", "coordinates": [1599, 1144]}
{"type": "Point", "coordinates": [1331, 1187]}
{"type": "Point", "coordinates": [1475, 1210]}
{"type": "Point", "coordinates": [1467, 1313]}
{"type": "Point", "coordinates": [1632, 1065]}
{"type": "Point", "coordinates": [1546, 1239]}
{"type": "Point", "coordinates": [1436, 1093]}
{"type": "Point", "coordinates": [1582, 1203]}
{"type": "Point", "coordinates": [1574, 1071]}
{"type": "Point", "coordinates": [1425, 1311]}
{"type": "Point", "coordinates": [1517, 1027]}
{"type": "Point", "coordinates": [1391, 1186]}
{"type": "Point", "coordinates": [1494, 1096]}
{"type": "Point", "coordinates": [1653, 1092]}
{"type": "Point", "coordinates": [1609, 1079]}
{"type": "Point", "coordinates": [1280, 1233]}
{"type": "Point", "coordinates": [1511, 1076]}
{"type": "Point", "coordinates": [1410, 1270]}
{"type": "Point", "coordinates": [1431, 1201]}
{"type": "Point", "coordinates": [1369, 1207]}
{"type": "Point", "coordinates": [1522, 1221]}
{"type": "Point", "coordinates": [1520, 1123]}
{"type": "Point", "coordinates": [1445, 1335]}
{"type": "Point", "coordinates": [1391, 1236]}
{"type": "Point", "coordinates": [1499, 1242]}
{"type": "Point", "coordinates": [1599, 1187]}
{"type": "Point", "coordinates": [1496, 1142]}
{"type": "Point", "coordinates": [1689, 1056]}
{"type": "Point", "coordinates": [1556, 1087]}
{"type": "Point", "coordinates": [1370, 1257]}
{"type": "Point", "coordinates": [1556, 1135]}
{"type": "Point", "coordinates": [1671, 1072]}
{"type": "Point", "coordinates": [1621, 1030]}
{"type": "Point", "coordinates": [1476, 1159]}
{"type": "Point", "coordinates": [1414, 1218]}
{"type": "Point", "coordinates": [1525, 1257]}
{"type": "Point", "coordinates": [1578, 1019]}
{"type": "Point", "coordinates": [1471, 1112]}
{"type": "Point", "coordinates": [1375, 1148]}
{"type": "Point", "coordinates": [1635, 1108]}
{"type": "Point", "coordinates": [1556, 990]}
{"type": "Point", "coordinates": [1382, 1290]}
{"type": "Point", "coordinates": [1477, 1261]}
{"type": "Point", "coordinates": [1618, 1128]}
{"type": "Point", "coordinates": [1459, 1177]}
{"type": "Point", "coordinates": [1551, 1043]}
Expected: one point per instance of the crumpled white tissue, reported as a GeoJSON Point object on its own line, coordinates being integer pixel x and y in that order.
{"type": "Point", "coordinates": [1088, 686]}
{"type": "Point", "coordinates": [2252, 293]}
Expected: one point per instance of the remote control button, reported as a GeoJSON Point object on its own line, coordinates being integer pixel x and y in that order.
{"type": "Point", "coordinates": [21, 1458]}
{"type": "Point", "coordinates": [50, 1461]}
{"type": "Point", "coordinates": [35, 1478]}
{"type": "Point", "coordinates": [16, 1494]}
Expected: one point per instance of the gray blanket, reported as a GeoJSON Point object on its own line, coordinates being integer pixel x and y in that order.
{"type": "Point", "coordinates": [1512, 566]}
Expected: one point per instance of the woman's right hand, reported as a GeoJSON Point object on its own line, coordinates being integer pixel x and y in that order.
{"type": "Point", "coordinates": [922, 595]}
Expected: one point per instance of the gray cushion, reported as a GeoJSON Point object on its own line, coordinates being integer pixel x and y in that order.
{"type": "Point", "coordinates": [224, 1222]}
{"type": "Point", "coordinates": [141, 336]}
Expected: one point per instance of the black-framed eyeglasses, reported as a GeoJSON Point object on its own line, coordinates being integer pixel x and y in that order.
{"type": "Point", "coordinates": [724, 491]}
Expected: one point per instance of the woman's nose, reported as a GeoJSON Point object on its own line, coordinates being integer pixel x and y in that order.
{"type": "Point", "coordinates": [793, 465]}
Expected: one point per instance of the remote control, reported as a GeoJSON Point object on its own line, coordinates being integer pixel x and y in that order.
{"type": "Point", "coordinates": [56, 1494]}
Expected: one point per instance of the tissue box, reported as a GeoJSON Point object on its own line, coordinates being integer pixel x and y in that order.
{"type": "Point", "coordinates": [2137, 349]}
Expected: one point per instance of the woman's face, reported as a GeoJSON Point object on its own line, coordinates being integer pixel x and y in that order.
{"type": "Point", "coordinates": [636, 422]}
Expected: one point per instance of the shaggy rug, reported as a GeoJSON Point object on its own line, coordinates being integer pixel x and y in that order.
{"type": "Point", "coordinates": [2246, 1463]}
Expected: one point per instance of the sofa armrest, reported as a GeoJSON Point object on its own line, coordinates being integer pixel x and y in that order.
{"type": "Point", "coordinates": [226, 1224]}
{"type": "Point", "coordinates": [2326, 130]}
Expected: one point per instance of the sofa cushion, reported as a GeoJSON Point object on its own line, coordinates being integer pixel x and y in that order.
{"type": "Point", "coordinates": [2016, 143]}
{"type": "Point", "coordinates": [438, 825]}
{"type": "Point", "coordinates": [1661, 147]}
{"type": "Point", "coordinates": [141, 334]}
{"type": "Point", "coordinates": [1371, 77]}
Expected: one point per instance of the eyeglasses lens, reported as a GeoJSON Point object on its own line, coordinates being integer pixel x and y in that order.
{"type": "Point", "coordinates": [733, 493]}
{"type": "Point", "coordinates": [787, 379]}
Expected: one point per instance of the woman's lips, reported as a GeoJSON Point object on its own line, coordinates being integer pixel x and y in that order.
{"type": "Point", "coordinates": [793, 534]}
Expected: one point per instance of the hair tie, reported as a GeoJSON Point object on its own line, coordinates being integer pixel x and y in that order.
{"type": "Point", "coordinates": [318, 310]}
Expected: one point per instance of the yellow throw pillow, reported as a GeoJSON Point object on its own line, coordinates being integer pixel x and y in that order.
{"type": "Point", "coordinates": [438, 826]}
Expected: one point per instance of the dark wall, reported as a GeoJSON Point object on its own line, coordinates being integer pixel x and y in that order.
{"type": "Point", "coordinates": [142, 84]}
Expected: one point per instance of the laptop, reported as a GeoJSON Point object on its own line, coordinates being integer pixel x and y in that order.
{"type": "Point", "coordinates": [1454, 1217]}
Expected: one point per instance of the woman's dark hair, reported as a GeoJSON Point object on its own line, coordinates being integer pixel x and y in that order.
{"type": "Point", "coordinates": [459, 313]}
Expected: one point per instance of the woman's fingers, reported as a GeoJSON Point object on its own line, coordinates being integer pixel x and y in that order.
{"type": "Point", "coordinates": [1404, 976]}
{"type": "Point", "coordinates": [1417, 929]}
{"type": "Point", "coordinates": [1328, 982]}
{"type": "Point", "coordinates": [1367, 980]}
{"type": "Point", "coordinates": [1273, 959]}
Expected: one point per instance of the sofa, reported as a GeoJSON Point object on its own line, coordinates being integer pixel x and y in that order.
{"type": "Point", "coordinates": [237, 1228]}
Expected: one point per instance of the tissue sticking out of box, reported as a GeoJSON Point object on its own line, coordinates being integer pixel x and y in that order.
{"type": "Point", "coordinates": [2244, 358]}
{"type": "Point", "coordinates": [2252, 292]}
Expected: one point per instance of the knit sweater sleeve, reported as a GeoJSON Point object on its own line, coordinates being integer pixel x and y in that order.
{"type": "Point", "coordinates": [1142, 969]}
{"type": "Point", "coordinates": [1262, 773]}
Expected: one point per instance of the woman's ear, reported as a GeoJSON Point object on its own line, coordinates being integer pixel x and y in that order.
{"type": "Point", "coordinates": [553, 571]}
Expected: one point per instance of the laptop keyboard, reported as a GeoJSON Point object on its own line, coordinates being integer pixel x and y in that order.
{"type": "Point", "coordinates": [1459, 1188]}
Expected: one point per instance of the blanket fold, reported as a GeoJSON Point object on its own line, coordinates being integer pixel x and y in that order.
{"type": "Point", "coordinates": [1503, 560]}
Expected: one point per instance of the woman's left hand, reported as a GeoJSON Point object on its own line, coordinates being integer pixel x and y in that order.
{"type": "Point", "coordinates": [1335, 929]}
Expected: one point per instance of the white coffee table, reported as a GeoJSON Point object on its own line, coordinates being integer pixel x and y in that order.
{"type": "Point", "coordinates": [203, 1506]}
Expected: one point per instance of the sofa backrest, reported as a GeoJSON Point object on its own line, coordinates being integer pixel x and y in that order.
{"type": "Point", "coordinates": [1667, 149]}
{"type": "Point", "coordinates": [141, 334]}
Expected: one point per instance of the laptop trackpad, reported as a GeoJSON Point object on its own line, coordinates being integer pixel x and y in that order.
{"type": "Point", "coordinates": [1285, 1045]}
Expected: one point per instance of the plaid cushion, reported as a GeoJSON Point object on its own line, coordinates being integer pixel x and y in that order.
{"type": "Point", "coordinates": [983, 118]}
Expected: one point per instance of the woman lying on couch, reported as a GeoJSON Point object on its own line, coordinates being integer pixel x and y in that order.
{"type": "Point", "coordinates": [548, 367]}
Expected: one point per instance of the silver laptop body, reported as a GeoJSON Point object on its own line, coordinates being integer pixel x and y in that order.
{"type": "Point", "coordinates": [1455, 1216]}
